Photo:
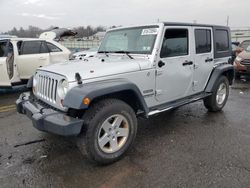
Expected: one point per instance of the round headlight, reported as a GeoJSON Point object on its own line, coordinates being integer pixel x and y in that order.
{"type": "Point", "coordinates": [62, 88]}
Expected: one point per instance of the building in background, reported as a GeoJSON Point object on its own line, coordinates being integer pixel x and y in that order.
{"type": "Point", "coordinates": [7, 36]}
{"type": "Point", "coordinates": [241, 34]}
{"type": "Point", "coordinates": [99, 35]}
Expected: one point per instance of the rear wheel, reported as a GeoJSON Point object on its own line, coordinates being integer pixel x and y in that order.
{"type": "Point", "coordinates": [218, 99]}
{"type": "Point", "coordinates": [111, 127]}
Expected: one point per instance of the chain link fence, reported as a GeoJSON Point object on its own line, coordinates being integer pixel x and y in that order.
{"type": "Point", "coordinates": [75, 45]}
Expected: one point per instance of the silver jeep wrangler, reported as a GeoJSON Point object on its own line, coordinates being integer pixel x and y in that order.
{"type": "Point", "coordinates": [138, 71]}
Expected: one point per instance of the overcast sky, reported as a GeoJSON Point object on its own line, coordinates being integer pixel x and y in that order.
{"type": "Point", "coordinates": [72, 13]}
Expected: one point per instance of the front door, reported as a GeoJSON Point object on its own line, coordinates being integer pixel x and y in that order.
{"type": "Point", "coordinates": [203, 58]}
{"type": "Point", "coordinates": [175, 66]}
{"type": "Point", "coordinates": [4, 77]}
{"type": "Point", "coordinates": [5, 74]}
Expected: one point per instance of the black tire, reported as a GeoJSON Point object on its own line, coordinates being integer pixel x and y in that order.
{"type": "Point", "coordinates": [94, 119]}
{"type": "Point", "coordinates": [210, 102]}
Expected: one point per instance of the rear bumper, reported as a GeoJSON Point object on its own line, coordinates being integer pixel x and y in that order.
{"type": "Point", "coordinates": [46, 119]}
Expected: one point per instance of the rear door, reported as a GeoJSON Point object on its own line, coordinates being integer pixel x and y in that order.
{"type": "Point", "coordinates": [57, 55]}
{"type": "Point", "coordinates": [203, 57]}
{"type": "Point", "coordinates": [32, 55]}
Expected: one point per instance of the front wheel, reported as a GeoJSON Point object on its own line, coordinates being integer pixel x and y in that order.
{"type": "Point", "coordinates": [111, 127]}
{"type": "Point", "coordinates": [218, 99]}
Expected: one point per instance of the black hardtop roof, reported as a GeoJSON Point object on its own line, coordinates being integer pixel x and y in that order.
{"type": "Point", "coordinates": [193, 24]}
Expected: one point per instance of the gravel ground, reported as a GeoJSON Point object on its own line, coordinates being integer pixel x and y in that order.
{"type": "Point", "coordinates": [187, 147]}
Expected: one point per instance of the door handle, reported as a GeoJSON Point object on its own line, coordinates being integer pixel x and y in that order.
{"type": "Point", "coordinates": [209, 59]}
{"type": "Point", "coordinates": [161, 64]}
{"type": "Point", "coordinates": [187, 63]}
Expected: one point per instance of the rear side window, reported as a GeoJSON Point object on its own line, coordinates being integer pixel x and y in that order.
{"type": "Point", "coordinates": [44, 48]}
{"type": "Point", "coordinates": [175, 43]}
{"type": "Point", "coordinates": [222, 40]}
{"type": "Point", "coordinates": [31, 47]}
{"type": "Point", "coordinates": [202, 41]}
{"type": "Point", "coordinates": [53, 48]}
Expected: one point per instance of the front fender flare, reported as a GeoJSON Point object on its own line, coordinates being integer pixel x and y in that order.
{"type": "Point", "coordinates": [93, 90]}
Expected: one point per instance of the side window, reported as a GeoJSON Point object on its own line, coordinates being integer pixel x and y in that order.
{"type": "Point", "coordinates": [44, 48]}
{"type": "Point", "coordinates": [53, 48]}
{"type": "Point", "coordinates": [202, 41]}
{"type": "Point", "coordinates": [3, 46]}
{"type": "Point", "coordinates": [222, 40]}
{"type": "Point", "coordinates": [175, 43]}
{"type": "Point", "coordinates": [30, 47]}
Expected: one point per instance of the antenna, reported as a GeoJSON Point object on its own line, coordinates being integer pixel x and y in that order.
{"type": "Point", "coordinates": [227, 20]}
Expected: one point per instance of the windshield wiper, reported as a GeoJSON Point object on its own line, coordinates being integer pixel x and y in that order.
{"type": "Point", "coordinates": [124, 52]}
{"type": "Point", "coordinates": [104, 52]}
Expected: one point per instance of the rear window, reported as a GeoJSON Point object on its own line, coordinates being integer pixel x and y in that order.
{"type": "Point", "coordinates": [53, 48]}
{"type": "Point", "coordinates": [222, 40]}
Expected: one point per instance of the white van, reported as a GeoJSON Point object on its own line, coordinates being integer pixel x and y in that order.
{"type": "Point", "coordinates": [20, 57]}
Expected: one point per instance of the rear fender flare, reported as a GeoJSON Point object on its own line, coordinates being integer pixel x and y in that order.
{"type": "Point", "coordinates": [226, 70]}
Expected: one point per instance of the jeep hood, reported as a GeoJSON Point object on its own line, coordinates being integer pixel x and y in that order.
{"type": "Point", "coordinates": [96, 67]}
{"type": "Point", "coordinates": [245, 55]}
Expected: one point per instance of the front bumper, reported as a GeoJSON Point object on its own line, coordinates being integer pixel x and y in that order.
{"type": "Point", "coordinates": [47, 119]}
{"type": "Point", "coordinates": [241, 69]}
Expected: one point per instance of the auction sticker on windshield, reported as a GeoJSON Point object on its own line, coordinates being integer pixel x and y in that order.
{"type": "Point", "coordinates": [149, 31]}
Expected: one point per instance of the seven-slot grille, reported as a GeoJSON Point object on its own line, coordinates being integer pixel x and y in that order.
{"type": "Point", "coordinates": [46, 88]}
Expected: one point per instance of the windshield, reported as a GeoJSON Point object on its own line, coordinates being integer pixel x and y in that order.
{"type": "Point", "coordinates": [138, 40]}
{"type": "Point", "coordinates": [248, 49]}
{"type": "Point", "coordinates": [245, 44]}
{"type": "Point", "coordinates": [94, 49]}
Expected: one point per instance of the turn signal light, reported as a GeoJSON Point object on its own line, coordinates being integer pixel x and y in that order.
{"type": "Point", "coordinates": [86, 101]}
